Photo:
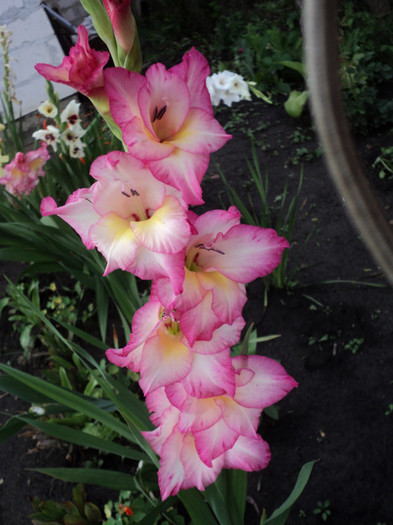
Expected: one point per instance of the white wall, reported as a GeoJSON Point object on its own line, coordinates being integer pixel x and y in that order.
{"type": "Point", "coordinates": [33, 40]}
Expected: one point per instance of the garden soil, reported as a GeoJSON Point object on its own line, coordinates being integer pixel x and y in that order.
{"type": "Point", "coordinates": [335, 338]}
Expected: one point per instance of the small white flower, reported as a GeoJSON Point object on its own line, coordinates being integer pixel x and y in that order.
{"type": "Point", "coordinates": [50, 135]}
{"type": "Point", "coordinates": [239, 86]}
{"type": "Point", "coordinates": [76, 149]}
{"type": "Point", "coordinates": [71, 113]}
{"type": "Point", "coordinates": [228, 87]}
{"type": "Point", "coordinates": [214, 95]}
{"type": "Point", "coordinates": [48, 109]}
{"type": "Point", "coordinates": [36, 409]}
{"type": "Point", "coordinates": [72, 134]}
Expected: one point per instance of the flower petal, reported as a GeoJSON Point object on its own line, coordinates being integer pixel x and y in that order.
{"type": "Point", "coordinates": [151, 265]}
{"type": "Point", "coordinates": [197, 473]}
{"type": "Point", "coordinates": [224, 336]}
{"type": "Point", "coordinates": [266, 386]}
{"type": "Point", "coordinates": [229, 297]}
{"type": "Point", "coordinates": [191, 295]}
{"type": "Point", "coordinates": [163, 90]}
{"type": "Point", "coordinates": [122, 87]}
{"type": "Point", "coordinates": [249, 454]}
{"type": "Point", "coordinates": [199, 322]}
{"type": "Point", "coordinates": [167, 230]}
{"type": "Point", "coordinates": [198, 414]}
{"type": "Point", "coordinates": [210, 375]}
{"type": "Point", "coordinates": [114, 239]}
{"type": "Point", "coordinates": [213, 222]}
{"type": "Point", "coordinates": [200, 133]}
{"type": "Point", "coordinates": [194, 69]}
{"type": "Point", "coordinates": [165, 360]}
{"type": "Point", "coordinates": [133, 174]}
{"type": "Point", "coordinates": [214, 441]}
{"type": "Point", "coordinates": [171, 475]}
{"type": "Point", "coordinates": [239, 419]}
{"type": "Point", "coordinates": [142, 144]}
{"type": "Point", "coordinates": [184, 171]}
{"type": "Point", "coordinates": [78, 212]}
{"type": "Point", "coordinates": [244, 253]}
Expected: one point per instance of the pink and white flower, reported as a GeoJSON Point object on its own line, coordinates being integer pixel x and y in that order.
{"type": "Point", "coordinates": [130, 218]}
{"type": "Point", "coordinates": [220, 258]}
{"type": "Point", "coordinates": [82, 69]}
{"type": "Point", "coordinates": [167, 121]}
{"type": "Point", "coordinates": [160, 351]}
{"type": "Point", "coordinates": [196, 438]}
{"type": "Point", "coordinates": [22, 174]}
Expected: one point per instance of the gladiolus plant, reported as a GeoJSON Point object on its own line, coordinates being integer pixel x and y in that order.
{"type": "Point", "coordinates": [205, 403]}
{"type": "Point", "coordinates": [22, 174]}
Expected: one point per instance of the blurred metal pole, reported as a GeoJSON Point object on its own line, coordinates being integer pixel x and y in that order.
{"type": "Point", "coordinates": [321, 52]}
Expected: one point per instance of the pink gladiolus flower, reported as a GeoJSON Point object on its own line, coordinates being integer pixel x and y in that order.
{"type": "Point", "coordinates": [221, 257]}
{"type": "Point", "coordinates": [167, 121]}
{"type": "Point", "coordinates": [82, 69]}
{"type": "Point", "coordinates": [130, 218]}
{"type": "Point", "coordinates": [22, 173]}
{"type": "Point", "coordinates": [161, 353]}
{"type": "Point", "coordinates": [119, 12]}
{"type": "Point", "coordinates": [196, 437]}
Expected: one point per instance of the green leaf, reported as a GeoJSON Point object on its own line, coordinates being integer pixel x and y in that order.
{"type": "Point", "coordinates": [217, 496]}
{"type": "Point", "coordinates": [237, 492]}
{"type": "Point", "coordinates": [10, 428]}
{"type": "Point", "coordinates": [74, 401]}
{"type": "Point", "coordinates": [102, 306]}
{"type": "Point", "coordinates": [280, 515]}
{"type": "Point", "coordinates": [93, 513]}
{"type": "Point", "coordinates": [79, 496]}
{"type": "Point", "coordinates": [3, 303]}
{"type": "Point", "coordinates": [158, 509]}
{"type": "Point", "coordinates": [296, 66]}
{"type": "Point", "coordinates": [197, 507]}
{"type": "Point", "coordinates": [83, 438]}
{"type": "Point", "coordinates": [109, 479]}
{"type": "Point", "coordinates": [19, 389]}
{"type": "Point", "coordinates": [295, 104]}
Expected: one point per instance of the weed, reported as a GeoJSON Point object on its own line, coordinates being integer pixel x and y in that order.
{"type": "Point", "coordinates": [303, 155]}
{"type": "Point", "coordinates": [354, 344]}
{"type": "Point", "coordinates": [323, 509]}
{"type": "Point", "coordinates": [76, 511]}
{"type": "Point", "coordinates": [375, 314]}
{"type": "Point", "coordinates": [300, 135]}
{"type": "Point", "coordinates": [384, 162]}
{"type": "Point", "coordinates": [389, 410]}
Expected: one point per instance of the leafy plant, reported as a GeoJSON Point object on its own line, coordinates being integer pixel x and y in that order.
{"type": "Point", "coordinates": [75, 512]}
{"type": "Point", "coordinates": [366, 68]}
{"type": "Point", "coordinates": [384, 162]}
{"type": "Point", "coordinates": [323, 509]}
{"type": "Point", "coordinates": [354, 344]}
{"type": "Point", "coordinates": [63, 307]}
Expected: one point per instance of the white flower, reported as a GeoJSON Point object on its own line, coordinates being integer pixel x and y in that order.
{"type": "Point", "coordinates": [50, 135]}
{"type": "Point", "coordinates": [71, 113]}
{"type": "Point", "coordinates": [76, 149]}
{"type": "Point", "coordinates": [37, 409]}
{"type": "Point", "coordinates": [214, 96]}
{"type": "Point", "coordinates": [239, 86]}
{"type": "Point", "coordinates": [72, 134]}
{"type": "Point", "coordinates": [228, 87]}
{"type": "Point", "coordinates": [48, 109]}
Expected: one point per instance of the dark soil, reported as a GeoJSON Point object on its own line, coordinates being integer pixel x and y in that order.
{"type": "Point", "coordinates": [337, 415]}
